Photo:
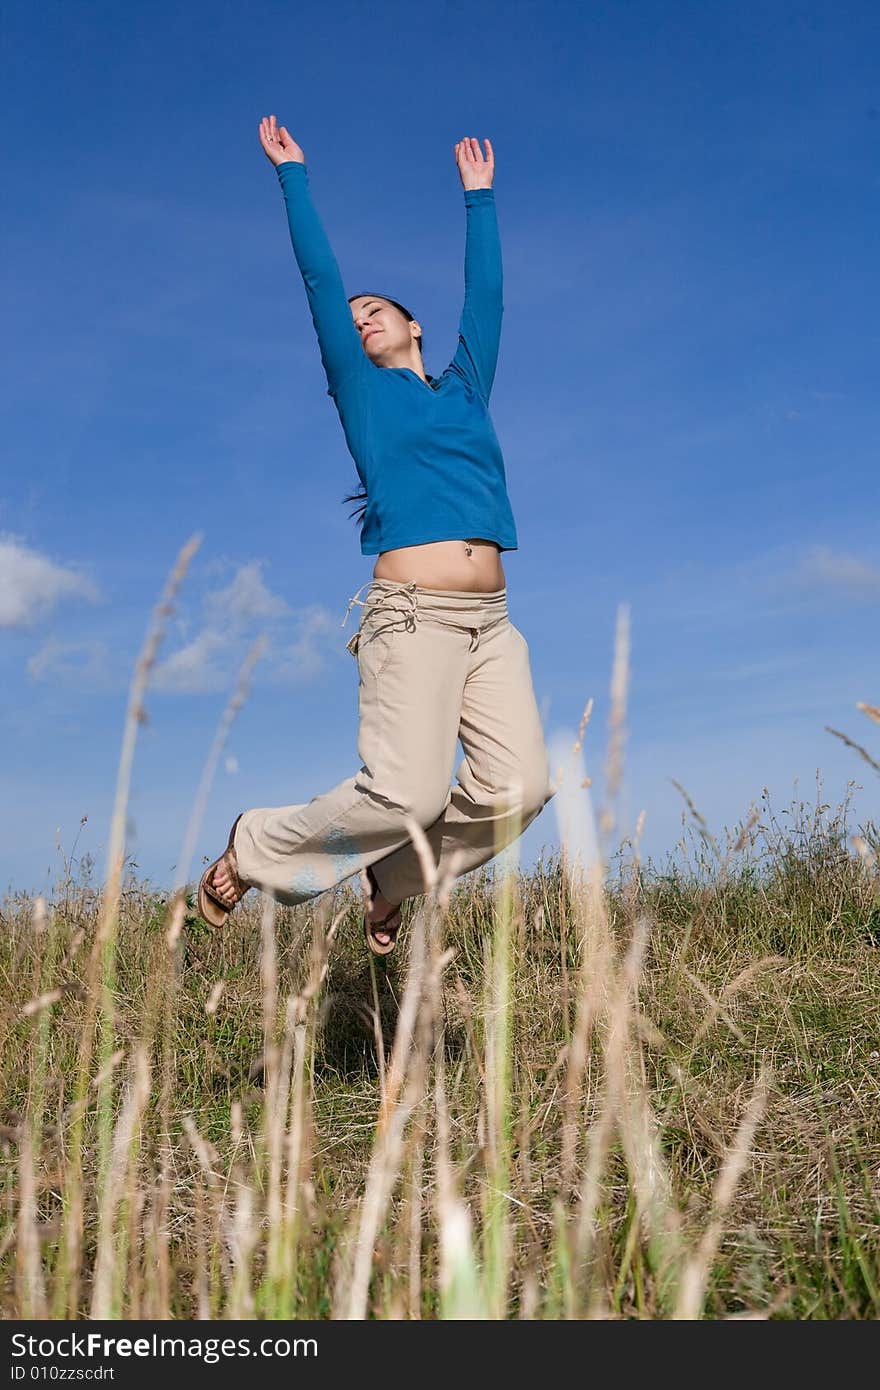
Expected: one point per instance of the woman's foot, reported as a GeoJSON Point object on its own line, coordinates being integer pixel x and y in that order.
{"type": "Point", "coordinates": [227, 885]}
{"type": "Point", "coordinates": [221, 887]}
{"type": "Point", "coordinates": [381, 917]}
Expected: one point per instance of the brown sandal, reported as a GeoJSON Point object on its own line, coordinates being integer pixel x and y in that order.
{"type": "Point", "coordinates": [212, 908]}
{"type": "Point", "coordinates": [380, 948]}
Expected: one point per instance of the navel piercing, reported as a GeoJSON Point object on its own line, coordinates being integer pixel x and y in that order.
{"type": "Point", "coordinates": [468, 549]}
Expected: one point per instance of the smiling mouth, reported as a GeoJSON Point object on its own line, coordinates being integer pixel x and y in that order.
{"type": "Point", "coordinates": [372, 333]}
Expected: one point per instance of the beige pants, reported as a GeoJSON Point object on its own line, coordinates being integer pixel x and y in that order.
{"type": "Point", "coordinates": [435, 666]}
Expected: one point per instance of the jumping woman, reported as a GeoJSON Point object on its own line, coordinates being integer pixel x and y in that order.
{"type": "Point", "coordinates": [438, 658]}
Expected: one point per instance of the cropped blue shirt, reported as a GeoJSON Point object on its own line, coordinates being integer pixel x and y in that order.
{"type": "Point", "coordinates": [427, 453]}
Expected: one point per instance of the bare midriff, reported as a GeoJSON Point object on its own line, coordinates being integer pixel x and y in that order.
{"type": "Point", "coordinates": [473, 565]}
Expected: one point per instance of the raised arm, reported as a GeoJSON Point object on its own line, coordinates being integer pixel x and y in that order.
{"type": "Point", "coordinates": [479, 332]}
{"type": "Point", "coordinates": [339, 341]}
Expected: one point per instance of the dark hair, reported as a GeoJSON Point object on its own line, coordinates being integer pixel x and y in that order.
{"type": "Point", "coordinates": [361, 496]}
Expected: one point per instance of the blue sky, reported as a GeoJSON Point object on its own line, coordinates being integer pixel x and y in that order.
{"type": "Point", "coordinates": [687, 391]}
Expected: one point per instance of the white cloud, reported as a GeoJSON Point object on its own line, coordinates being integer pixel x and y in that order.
{"type": "Point", "coordinates": [234, 614]}
{"type": "Point", "coordinates": [202, 667]}
{"type": "Point", "coordinates": [31, 584]}
{"type": "Point", "coordinates": [246, 599]}
{"type": "Point", "coordinates": [82, 662]}
{"type": "Point", "coordinates": [829, 569]}
{"type": "Point", "coordinates": [304, 657]}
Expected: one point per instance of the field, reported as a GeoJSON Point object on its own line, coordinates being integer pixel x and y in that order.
{"type": "Point", "coordinates": [603, 1088]}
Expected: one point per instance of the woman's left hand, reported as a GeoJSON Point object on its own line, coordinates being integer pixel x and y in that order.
{"type": "Point", "coordinates": [475, 171]}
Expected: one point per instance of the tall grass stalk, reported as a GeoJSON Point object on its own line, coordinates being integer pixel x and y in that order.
{"type": "Point", "coordinates": [100, 987]}
{"type": "Point", "coordinates": [500, 987]}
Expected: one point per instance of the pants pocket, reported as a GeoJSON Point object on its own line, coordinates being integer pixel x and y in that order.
{"type": "Point", "coordinates": [371, 645]}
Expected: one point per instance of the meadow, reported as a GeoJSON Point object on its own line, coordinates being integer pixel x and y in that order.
{"type": "Point", "coordinates": [604, 1088]}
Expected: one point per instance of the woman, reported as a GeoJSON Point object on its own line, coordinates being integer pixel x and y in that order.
{"type": "Point", "coordinates": [438, 657]}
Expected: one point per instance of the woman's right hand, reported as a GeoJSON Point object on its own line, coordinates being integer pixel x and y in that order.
{"type": "Point", "coordinates": [278, 143]}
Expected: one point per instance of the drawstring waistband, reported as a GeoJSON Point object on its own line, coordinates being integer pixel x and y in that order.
{"type": "Point", "coordinates": [447, 600]}
{"type": "Point", "coordinates": [406, 591]}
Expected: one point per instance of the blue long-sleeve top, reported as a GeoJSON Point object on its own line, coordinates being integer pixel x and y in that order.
{"type": "Point", "coordinates": [427, 453]}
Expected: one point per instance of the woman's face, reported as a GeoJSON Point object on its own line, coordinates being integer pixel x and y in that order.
{"type": "Point", "coordinates": [385, 332]}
